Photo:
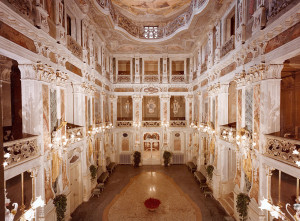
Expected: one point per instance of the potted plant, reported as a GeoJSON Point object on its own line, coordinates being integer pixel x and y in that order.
{"type": "Point", "coordinates": [209, 171]}
{"type": "Point", "coordinates": [93, 171]}
{"type": "Point", "coordinates": [60, 203]}
{"type": "Point", "coordinates": [136, 158]}
{"type": "Point", "coordinates": [167, 158]}
{"type": "Point", "coordinates": [152, 204]}
{"type": "Point", "coordinates": [242, 203]}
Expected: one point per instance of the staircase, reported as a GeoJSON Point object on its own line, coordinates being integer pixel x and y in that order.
{"type": "Point", "coordinates": [228, 204]}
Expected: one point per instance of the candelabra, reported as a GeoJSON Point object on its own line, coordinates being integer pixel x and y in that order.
{"type": "Point", "coordinates": [277, 213]}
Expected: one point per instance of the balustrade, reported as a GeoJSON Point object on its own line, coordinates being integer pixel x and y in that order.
{"type": "Point", "coordinates": [124, 124]}
{"type": "Point", "coordinates": [21, 149]}
{"type": "Point", "coordinates": [282, 149]}
{"type": "Point", "coordinates": [228, 46]}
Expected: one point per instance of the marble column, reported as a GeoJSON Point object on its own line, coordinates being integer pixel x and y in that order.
{"type": "Point", "coordinates": [137, 79]}
{"type": "Point", "coordinates": [165, 71]}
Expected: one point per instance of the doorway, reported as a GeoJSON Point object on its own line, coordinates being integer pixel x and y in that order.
{"type": "Point", "coordinates": [76, 189]}
{"type": "Point", "coordinates": [151, 149]}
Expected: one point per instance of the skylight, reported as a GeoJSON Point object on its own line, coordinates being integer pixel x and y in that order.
{"type": "Point", "coordinates": [150, 32]}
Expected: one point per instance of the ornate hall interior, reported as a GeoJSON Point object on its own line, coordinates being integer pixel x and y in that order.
{"type": "Point", "coordinates": [165, 110]}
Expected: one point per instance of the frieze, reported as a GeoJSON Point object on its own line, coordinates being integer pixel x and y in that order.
{"type": "Point", "coordinates": [257, 73]}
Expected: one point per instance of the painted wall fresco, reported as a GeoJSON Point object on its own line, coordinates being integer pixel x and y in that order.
{"type": "Point", "coordinates": [177, 108]}
{"type": "Point", "coordinates": [124, 108]}
{"type": "Point", "coordinates": [151, 108]}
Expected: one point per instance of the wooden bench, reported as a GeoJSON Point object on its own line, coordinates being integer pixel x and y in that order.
{"type": "Point", "coordinates": [102, 176]}
{"type": "Point", "coordinates": [192, 165]}
{"type": "Point", "coordinates": [200, 177]}
{"type": "Point", "coordinates": [110, 166]}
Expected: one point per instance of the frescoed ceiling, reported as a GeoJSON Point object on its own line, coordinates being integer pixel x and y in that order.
{"type": "Point", "coordinates": [151, 7]}
{"type": "Point", "coordinates": [126, 41]}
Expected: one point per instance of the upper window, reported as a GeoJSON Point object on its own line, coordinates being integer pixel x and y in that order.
{"type": "Point", "coordinates": [150, 32]}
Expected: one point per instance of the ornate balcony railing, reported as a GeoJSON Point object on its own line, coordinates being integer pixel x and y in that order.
{"type": "Point", "coordinates": [151, 123]}
{"type": "Point", "coordinates": [177, 78]}
{"type": "Point", "coordinates": [124, 123]}
{"type": "Point", "coordinates": [282, 149]}
{"type": "Point", "coordinates": [22, 149]}
{"type": "Point", "coordinates": [74, 133]}
{"type": "Point", "coordinates": [177, 123]}
{"type": "Point", "coordinates": [276, 6]}
{"type": "Point", "coordinates": [228, 46]}
{"type": "Point", "coordinates": [150, 78]}
{"type": "Point", "coordinates": [164, 30]}
{"type": "Point", "coordinates": [124, 79]}
{"type": "Point", "coordinates": [228, 133]}
{"type": "Point", "coordinates": [74, 47]}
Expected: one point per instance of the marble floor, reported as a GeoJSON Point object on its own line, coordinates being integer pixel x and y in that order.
{"type": "Point", "coordinates": [128, 187]}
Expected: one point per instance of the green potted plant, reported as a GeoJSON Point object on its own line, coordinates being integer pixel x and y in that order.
{"type": "Point", "coordinates": [136, 158]}
{"type": "Point", "coordinates": [209, 171]}
{"type": "Point", "coordinates": [242, 203]}
{"type": "Point", "coordinates": [167, 158]}
{"type": "Point", "coordinates": [93, 171]}
{"type": "Point", "coordinates": [60, 203]}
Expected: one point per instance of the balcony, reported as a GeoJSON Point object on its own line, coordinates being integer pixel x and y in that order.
{"type": "Point", "coordinates": [282, 148]}
{"type": "Point", "coordinates": [124, 79]}
{"type": "Point", "coordinates": [177, 123]}
{"type": "Point", "coordinates": [228, 133]}
{"type": "Point", "coordinates": [74, 47]}
{"type": "Point", "coordinates": [151, 123]}
{"type": "Point", "coordinates": [151, 79]}
{"type": "Point", "coordinates": [124, 123]}
{"type": "Point", "coordinates": [23, 149]}
{"type": "Point", "coordinates": [228, 46]}
{"type": "Point", "coordinates": [177, 79]}
{"type": "Point", "coordinates": [74, 133]}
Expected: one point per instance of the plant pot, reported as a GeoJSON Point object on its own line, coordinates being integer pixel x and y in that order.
{"type": "Point", "coordinates": [153, 210]}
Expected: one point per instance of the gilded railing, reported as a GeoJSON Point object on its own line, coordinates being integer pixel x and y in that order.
{"type": "Point", "coordinates": [124, 123]}
{"type": "Point", "coordinates": [74, 47]}
{"type": "Point", "coordinates": [177, 123]}
{"type": "Point", "coordinates": [74, 133]}
{"type": "Point", "coordinates": [151, 123]}
{"type": "Point", "coordinates": [124, 79]}
{"type": "Point", "coordinates": [150, 78]}
{"type": "Point", "coordinates": [22, 149]}
{"type": "Point", "coordinates": [228, 46]}
{"type": "Point", "coordinates": [227, 133]}
{"type": "Point", "coordinates": [282, 149]}
{"type": "Point", "coordinates": [177, 78]}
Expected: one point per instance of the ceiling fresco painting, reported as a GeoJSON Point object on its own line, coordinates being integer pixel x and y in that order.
{"type": "Point", "coordinates": [153, 7]}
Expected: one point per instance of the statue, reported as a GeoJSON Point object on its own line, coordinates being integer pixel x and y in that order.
{"type": "Point", "coordinates": [176, 107]}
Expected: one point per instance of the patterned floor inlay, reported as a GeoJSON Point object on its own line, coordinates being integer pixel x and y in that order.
{"type": "Point", "coordinates": [129, 204]}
